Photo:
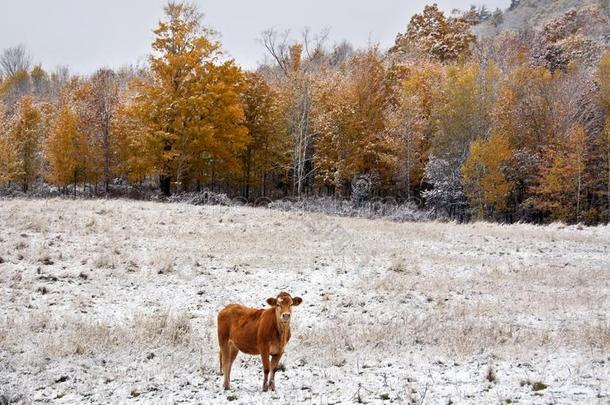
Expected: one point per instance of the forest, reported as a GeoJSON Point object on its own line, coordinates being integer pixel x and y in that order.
{"type": "Point", "coordinates": [510, 127]}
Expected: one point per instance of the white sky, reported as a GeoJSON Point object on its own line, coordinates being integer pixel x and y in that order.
{"type": "Point", "coordinates": [88, 34]}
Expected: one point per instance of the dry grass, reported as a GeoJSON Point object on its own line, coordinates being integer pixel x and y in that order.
{"type": "Point", "coordinates": [51, 336]}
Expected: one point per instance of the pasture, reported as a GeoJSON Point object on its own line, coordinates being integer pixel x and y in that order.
{"type": "Point", "coordinates": [116, 301]}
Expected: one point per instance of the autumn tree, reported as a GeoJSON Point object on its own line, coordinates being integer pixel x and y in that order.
{"type": "Point", "coordinates": [461, 113]}
{"type": "Point", "coordinates": [294, 71]}
{"type": "Point", "coordinates": [485, 182]}
{"type": "Point", "coordinates": [522, 114]}
{"type": "Point", "coordinates": [462, 109]}
{"type": "Point", "coordinates": [535, 110]}
{"type": "Point", "coordinates": [292, 81]}
{"type": "Point", "coordinates": [603, 81]}
{"type": "Point", "coordinates": [436, 36]}
{"type": "Point", "coordinates": [605, 152]}
{"type": "Point", "coordinates": [70, 150]}
{"type": "Point", "coordinates": [569, 38]}
{"type": "Point", "coordinates": [62, 149]}
{"type": "Point", "coordinates": [15, 87]}
{"type": "Point", "coordinates": [189, 112]}
{"type": "Point", "coordinates": [353, 138]}
{"type": "Point", "coordinates": [125, 128]}
{"type": "Point", "coordinates": [99, 97]}
{"type": "Point", "coordinates": [265, 151]}
{"type": "Point", "coordinates": [410, 121]}
{"type": "Point", "coordinates": [8, 158]}
{"type": "Point", "coordinates": [25, 136]}
{"type": "Point", "coordinates": [563, 176]}
{"type": "Point", "coordinates": [41, 85]}
{"type": "Point", "coordinates": [135, 166]}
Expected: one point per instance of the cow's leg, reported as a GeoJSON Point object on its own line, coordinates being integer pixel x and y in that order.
{"type": "Point", "coordinates": [223, 344]}
{"type": "Point", "coordinates": [225, 355]}
{"type": "Point", "coordinates": [265, 358]}
{"type": "Point", "coordinates": [220, 360]}
{"type": "Point", "coordinates": [233, 351]}
{"type": "Point", "coordinates": [275, 361]}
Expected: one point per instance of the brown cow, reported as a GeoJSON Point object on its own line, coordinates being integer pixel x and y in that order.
{"type": "Point", "coordinates": [255, 331]}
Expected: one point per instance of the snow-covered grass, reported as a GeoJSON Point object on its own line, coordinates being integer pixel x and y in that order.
{"type": "Point", "coordinates": [115, 301]}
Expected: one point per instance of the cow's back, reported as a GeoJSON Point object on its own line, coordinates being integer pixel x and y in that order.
{"type": "Point", "coordinates": [239, 325]}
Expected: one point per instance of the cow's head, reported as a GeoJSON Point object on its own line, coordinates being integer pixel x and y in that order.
{"type": "Point", "coordinates": [283, 304]}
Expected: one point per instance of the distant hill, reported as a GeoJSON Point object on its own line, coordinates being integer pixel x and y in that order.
{"type": "Point", "coordinates": [535, 14]}
{"type": "Point", "coordinates": [579, 29]}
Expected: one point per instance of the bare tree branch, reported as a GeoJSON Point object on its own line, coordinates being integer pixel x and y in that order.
{"type": "Point", "coordinates": [278, 47]}
{"type": "Point", "coordinates": [14, 60]}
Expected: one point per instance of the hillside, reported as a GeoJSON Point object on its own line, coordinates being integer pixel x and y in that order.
{"type": "Point", "coordinates": [535, 14]}
{"type": "Point", "coordinates": [115, 301]}
{"type": "Point", "coordinates": [589, 19]}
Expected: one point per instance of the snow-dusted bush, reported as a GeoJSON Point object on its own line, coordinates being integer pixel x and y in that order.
{"type": "Point", "coordinates": [376, 208]}
{"type": "Point", "coordinates": [446, 198]}
{"type": "Point", "coordinates": [362, 188]}
{"type": "Point", "coordinates": [42, 190]}
{"type": "Point", "coordinates": [205, 197]}
{"type": "Point", "coordinates": [39, 190]}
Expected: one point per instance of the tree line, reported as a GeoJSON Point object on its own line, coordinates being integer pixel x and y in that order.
{"type": "Point", "coordinates": [508, 128]}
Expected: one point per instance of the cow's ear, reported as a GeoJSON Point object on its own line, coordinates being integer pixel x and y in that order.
{"type": "Point", "coordinates": [297, 301]}
{"type": "Point", "coordinates": [272, 301]}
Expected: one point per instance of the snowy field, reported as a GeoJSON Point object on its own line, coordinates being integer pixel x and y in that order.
{"type": "Point", "coordinates": [115, 301]}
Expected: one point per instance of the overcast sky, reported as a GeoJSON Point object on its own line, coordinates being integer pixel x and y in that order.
{"type": "Point", "coordinates": [87, 34]}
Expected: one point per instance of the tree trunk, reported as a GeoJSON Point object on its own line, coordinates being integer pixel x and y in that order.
{"type": "Point", "coordinates": [106, 157]}
{"type": "Point", "coordinates": [578, 198]}
{"type": "Point", "coordinates": [165, 183]}
{"type": "Point", "coordinates": [247, 173]}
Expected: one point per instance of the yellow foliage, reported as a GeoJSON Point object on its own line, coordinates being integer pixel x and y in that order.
{"type": "Point", "coordinates": [410, 121]}
{"type": "Point", "coordinates": [462, 109]}
{"type": "Point", "coordinates": [68, 150]}
{"type": "Point", "coordinates": [523, 112]}
{"type": "Point", "coordinates": [437, 36]}
{"type": "Point", "coordinates": [188, 117]}
{"type": "Point", "coordinates": [485, 182]}
{"type": "Point", "coordinates": [267, 143]}
{"type": "Point", "coordinates": [351, 123]}
{"type": "Point", "coordinates": [61, 149]}
{"type": "Point", "coordinates": [603, 79]}
{"type": "Point", "coordinates": [25, 136]}
{"type": "Point", "coordinates": [8, 157]}
{"type": "Point", "coordinates": [563, 177]}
